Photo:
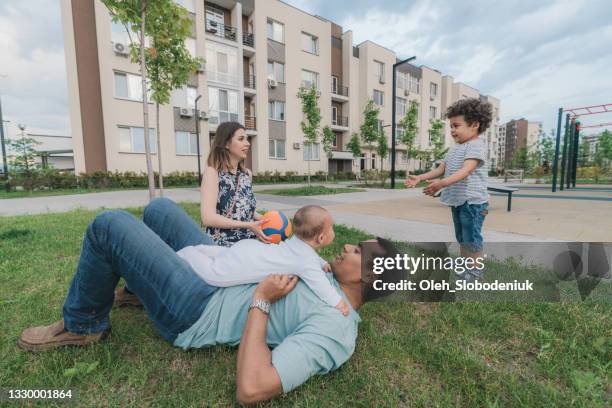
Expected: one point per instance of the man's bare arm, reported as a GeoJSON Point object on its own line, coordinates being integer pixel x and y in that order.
{"type": "Point", "coordinates": [256, 378]}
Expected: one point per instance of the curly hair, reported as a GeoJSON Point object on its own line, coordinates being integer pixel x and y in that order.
{"type": "Point", "coordinates": [473, 111]}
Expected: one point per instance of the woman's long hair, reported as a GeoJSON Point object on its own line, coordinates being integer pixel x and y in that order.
{"type": "Point", "coordinates": [219, 156]}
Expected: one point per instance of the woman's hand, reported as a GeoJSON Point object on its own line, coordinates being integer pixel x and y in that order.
{"type": "Point", "coordinates": [255, 228]}
{"type": "Point", "coordinates": [275, 287]}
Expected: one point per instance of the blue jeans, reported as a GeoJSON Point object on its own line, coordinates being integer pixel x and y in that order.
{"type": "Point", "coordinates": [468, 220]}
{"type": "Point", "coordinates": [117, 244]}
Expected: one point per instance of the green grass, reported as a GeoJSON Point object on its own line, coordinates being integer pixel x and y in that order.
{"type": "Point", "coordinates": [68, 191]}
{"type": "Point", "coordinates": [310, 191]}
{"type": "Point", "coordinates": [407, 354]}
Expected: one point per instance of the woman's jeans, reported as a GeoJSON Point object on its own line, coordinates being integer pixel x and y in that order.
{"type": "Point", "coordinates": [117, 244]}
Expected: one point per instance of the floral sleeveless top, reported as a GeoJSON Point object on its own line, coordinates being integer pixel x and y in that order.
{"type": "Point", "coordinates": [244, 209]}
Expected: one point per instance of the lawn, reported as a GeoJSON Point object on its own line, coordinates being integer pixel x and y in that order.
{"type": "Point", "coordinates": [68, 191]}
{"type": "Point", "coordinates": [407, 354]}
{"type": "Point", "coordinates": [310, 191]}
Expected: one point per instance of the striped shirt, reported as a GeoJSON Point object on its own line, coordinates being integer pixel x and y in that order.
{"type": "Point", "coordinates": [473, 188]}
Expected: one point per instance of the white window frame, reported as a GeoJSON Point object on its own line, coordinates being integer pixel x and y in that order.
{"type": "Point", "coordinates": [277, 150]}
{"type": "Point", "coordinates": [433, 111]}
{"type": "Point", "coordinates": [274, 107]}
{"type": "Point", "coordinates": [380, 70]}
{"type": "Point", "coordinates": [312, 47]}
{"type": "Point", "coordinates": [229, 77]}
{"type": "Point", "coordinates": [382, 97]}
{"type": "Point", "coordinates": [402, 80]}
{"type": "Point", "coordinates": [401, 102]}
{"type": "Point", "coordinates": [215, 112]}
{"type": "Point", "coordinates": [275, 25]}
{"type": "Point", "coordinates": [184, 97]}
{"type": "Point", "coordinates": [311, 151]}
{"type": "Point", "coordinates": [415, 85]}
{"type": "Point", "coordinates": [275, 71]}
{"type": "Point", "coordinates": [304, 82]}
{"type": "Point", "coordinates": [130, 129]}
{"type": "Point", "coordinates": [334, 115]}
{"type": "Point", "coordinates": [335, 84]}
{"type": "Point", "coordinates": [134, 87]}
{"type": "Point", "coordinates": [191, 137]}
{"type": "Point", "coordinates": [433, 89]}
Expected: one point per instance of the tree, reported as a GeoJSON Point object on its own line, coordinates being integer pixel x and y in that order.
{"type": "Point", "coordinates": [312, 120]}
{"type": "Point", "coordinates": [23, 160]}
{"type": "Point", "coordinates": [369, 127]}
{"type": "Point", "coordinates": [169, 63]}
{"type": "Point", "coordinates": [603, 155]}
{"type": "Point", "coordinates": [354, 146]}
{"type": "Point", "coordinates": [409, 124]}
{"type": "Point", "coordinates": [546, 151]}
{"type": "Point", "coordinates": [138, 17]}
{"type": "Point", "coordinates": [584, 153]}
{"type": "Point", "coordinates": [328, 141]}
{"type": "Point", "coordinates": [437, 140]}
{"type": "Point", "coordinates": [524, 160]}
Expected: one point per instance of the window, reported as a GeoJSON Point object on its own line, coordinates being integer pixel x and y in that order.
{"type": "Point", "coordinates": [373, 161]}
{"type": "Point", "coordinates": [129, 86]}
{"type": "Point", "coordinates": [399, 133]}
{"type": "Point", "coordinates": [415, 85]}
{"type": "Point", "coordinates": [221, 63]}
{"type": "Point", "coordinates": [380, 125]}
{"type": "Point", "coordinates": [432, 112]}
{"type": "Point", "coordinates": [401, 106]}
{"type": "Point", "coordinates": [184, 97]}
{"type": "Point", "coordinates": [187, 4]}
{"type": "Point", "coordinates": [118, 33]}
{"type": "Point", "coordinates": [310, 43]}
{"type": "Point", "coordinates": [276, 149]}
{"type": "Point", "coordinates": [131, 140]}
{"type": "Point", "coordinates": [276, 70]}
{"type": "Point", "coordinates": [404, 157]}
{"type": "Point", "coordinates": [433, 89]}
{"type": "Point", "coordinates": [380, 71]}
{"type": "Point", "coordinates": [310, 79]}
{"type": "Point", "coordinates": [222, 105]}
{"type": "Point", "coordinates": [334, 115]}
{"type": "Point", "coordinates": [276, 31]}
{"type": "Point", "coordinates": [276, 110]}
{"type": "Point", "coordinates": [335, 141]}
{"type": "Point", "coordinates": [311, 151]}
{"type": "Point", "coordinates": [334, 84]}
{"type": "Point", "coordinates": [379, 97]}
{"type": "Point", "coordinates": [186, 143]}
{"type": "Point", "coordinates": [215, 15]}
{"type": "Point", "coordinates": [402, 80]}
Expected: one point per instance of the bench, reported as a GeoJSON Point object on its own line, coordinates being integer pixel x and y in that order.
{"type": "Point", "coordinates": [506, 190]}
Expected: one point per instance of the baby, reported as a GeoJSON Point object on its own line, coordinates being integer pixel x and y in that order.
{"type": "Point", "coordinates": [250, 260]}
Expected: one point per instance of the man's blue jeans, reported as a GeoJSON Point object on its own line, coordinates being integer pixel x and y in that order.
{"type": "Point", "coordinates": [117, 244]}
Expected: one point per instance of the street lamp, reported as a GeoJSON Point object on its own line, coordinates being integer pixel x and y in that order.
{"type": "Point", "coordinates": [197, 123]}
{"type": "Point", "coordinates": [397, 64]}
{"type": "Point", "coordinates": [4, 164]}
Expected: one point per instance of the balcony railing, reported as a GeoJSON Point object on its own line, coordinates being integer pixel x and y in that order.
{"type": "Point", "coordinates": [340, 90]}
{"type": "Point", "coordinates": [249, 81]}
{"type": "Point", "coordinates": [340, 121]}
{"type": "Point", "coordinates": [248, 39]}
{"type": "Point", "coordinates": [221, 30]}
{"type": "Point", "coordinates": [250, 122]}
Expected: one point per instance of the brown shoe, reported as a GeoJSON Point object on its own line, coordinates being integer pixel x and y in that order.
{"type": "Point", "coordinates": [123, 298]}
{"type": "Point", "coordinates": [55, 335]}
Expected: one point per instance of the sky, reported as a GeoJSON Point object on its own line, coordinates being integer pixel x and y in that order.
{"type": "Point", "coordinates": [535, 56]}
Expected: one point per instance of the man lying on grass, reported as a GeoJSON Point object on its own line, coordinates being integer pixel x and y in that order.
{"type": "Point", "coordinates": [307, 336]}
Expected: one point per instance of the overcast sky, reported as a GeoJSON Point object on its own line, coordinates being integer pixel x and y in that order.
{"type": "Point", "coordinates": [535, 56]}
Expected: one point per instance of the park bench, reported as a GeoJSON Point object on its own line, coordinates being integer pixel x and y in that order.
{"type": "Point", "coordinates": [503, 189]}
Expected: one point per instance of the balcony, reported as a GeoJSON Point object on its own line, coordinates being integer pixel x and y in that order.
{"type": "Point", "coordinates": [340, 93]}
{"type": "Point", "coordinates": [340, 123]}
{"type": "Point", "coordinates": [221, 30]}
{"type": "Point", "coordinates": [250, 123]}
{"type": "Point", "coordinates": [249, 84]}
{"type": "Point", "coordinates": [248, 39]}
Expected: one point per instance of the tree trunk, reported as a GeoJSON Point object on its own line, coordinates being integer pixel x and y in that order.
{"type": "Point", "coordinates": [145, 102]}
{"type": "Point", "coordinates": [159, 153]}
{"type": "Point", "coordinates": [308, 163]}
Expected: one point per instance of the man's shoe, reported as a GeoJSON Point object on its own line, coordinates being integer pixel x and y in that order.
{"type": "Point", "coordinates": [124, 298]}
{"type": "Point", "coordinates": [55, 335]}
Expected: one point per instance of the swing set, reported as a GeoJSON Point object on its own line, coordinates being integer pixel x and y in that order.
{"type": "Point", "coordinates": [571, 139]}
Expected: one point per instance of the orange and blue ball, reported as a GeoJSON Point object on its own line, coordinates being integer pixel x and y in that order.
{"type": "Point", "coordinates": [277, 226]}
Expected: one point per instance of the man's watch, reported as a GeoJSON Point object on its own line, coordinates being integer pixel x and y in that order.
{"type": "Point", "coordinates": [262, 305]}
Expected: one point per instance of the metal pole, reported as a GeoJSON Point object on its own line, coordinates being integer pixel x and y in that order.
{"type": "Point", "coordinates": [570, 154]}
{"type": "Point", "coordinates": [565, 135]}
{"type": "Point", "coordinates": [394, 91]}
{"type": "Point", "coordinates": [197, 123]}
{"type": "Point", "coordinates": [576, 147]}
{"type": "Point", "coordinates": [555, 162]}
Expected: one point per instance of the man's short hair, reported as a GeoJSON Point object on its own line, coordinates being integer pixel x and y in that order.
{"type": "Point", "coordinates": [473, 110]}
{"type": "Point", "coordinates": [386, 249]}
{"type": "Point", "coordinates": [309, 221]}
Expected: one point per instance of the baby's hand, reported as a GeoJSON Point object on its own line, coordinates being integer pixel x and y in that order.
{"type": "Point", "coordinates": [327, 267]}
{"type": "Point", "coordinates": [342, 307]}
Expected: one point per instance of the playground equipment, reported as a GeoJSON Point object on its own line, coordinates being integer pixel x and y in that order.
{"type": "Point", "coordinates": [516, 175]}
{"type": "Point", "coordinates": [571, 139]}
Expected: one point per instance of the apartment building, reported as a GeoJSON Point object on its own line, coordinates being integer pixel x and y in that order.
{"type": "Point", "coordinates": [501, 147]}
{"type": "Point", "coordinates": [257, 56]}
{"type": "Point", "coordinates": [521, 133]}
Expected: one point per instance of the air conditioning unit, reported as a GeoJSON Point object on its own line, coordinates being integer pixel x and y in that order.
{"type": "Point", "coordinates": [203, 115]}
{"type": "Point", "coordinates": [406, 92]}
{"type": "Point", "coordinates": [186, 113]}
{"type": "Point", "coordinates": [120, 49]}
{"type": "Point", "coordinates": [381, 79]}
{"type": "Point", "coordinates": [211, 26]}
{"type": "Point", "coordinates": [201, 67]}
{"type": "Point", "coordinates": [296, 146]}
{"type": "Point", "coordinates": [318, 94]}
{"type": "Point", "coordinates": [272, 83]}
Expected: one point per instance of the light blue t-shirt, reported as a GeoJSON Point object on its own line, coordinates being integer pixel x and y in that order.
{"type": "Point", "coordinates": [308, 336]}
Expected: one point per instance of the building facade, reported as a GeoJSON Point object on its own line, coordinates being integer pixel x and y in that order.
{"type": "Point", "coordinates": [521, 133]}
{"type": "Point", "coordinates": [257, 56]}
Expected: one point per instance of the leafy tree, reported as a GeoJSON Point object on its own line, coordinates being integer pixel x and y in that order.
{"type": "Point", "coordinates": [24, 157]}
{"type": "Point", "coordinates": [409, 124]}
{"type": "Point", "coordinates": [524, 160]}
{"type": "Point", "coordinates": [437, 140]}
{"type": "Point", "coordinates": [354, 146]}
{"type": "Point", "coordinates": [328, 141]}
{"type": "Point", "coordinates": [168, 61]}
{"type": "Point", "coordinates": [603, 156]}
{"type": "Point", "coordinates": [369, 128]}
{"type": "Point", "coordinates": [312, 120]}
{"type": "Point", "coordinates": [546, 151]}
{"type": "Point", "coordinates": [584, 153]}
